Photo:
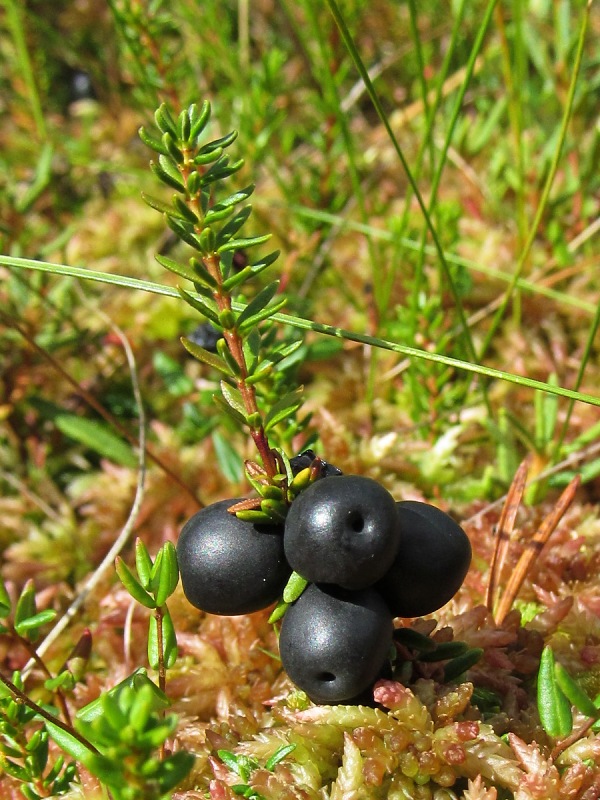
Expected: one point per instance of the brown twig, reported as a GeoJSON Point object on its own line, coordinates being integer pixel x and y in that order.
{"type": "Point", "coordinates": [533, 547]}
{"type": "Point", "coordinates": [506, 526]}
{"type": "Point", "coordinates": [23, 698]}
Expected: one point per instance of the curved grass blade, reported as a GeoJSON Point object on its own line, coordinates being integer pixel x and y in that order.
{"type": "Point", "coordinates": [308, 325]}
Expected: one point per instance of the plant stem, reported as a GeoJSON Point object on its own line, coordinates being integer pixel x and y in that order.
{"type": "Point", "coordinates": [234, 341]}
{"type": "Point", "coordinates": [42, 665]}
{"type": "Point", "coordinates": [23, 698]}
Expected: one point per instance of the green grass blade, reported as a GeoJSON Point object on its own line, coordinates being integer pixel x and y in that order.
{"type": "Point", "coordinates": [346, 36]}
{"type": "Point", "coordinates": [309, 325]}
{"type": "Point", "coordinates": [547, 186]}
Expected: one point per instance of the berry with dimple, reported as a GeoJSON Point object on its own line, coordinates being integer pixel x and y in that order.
{"type": "Point", "coordinates": [334, 643]}
{"type": "Point", "coordinates": [342, 530]}
{"type": "Point", "coordinates": [230, 566]}
{"type": "Point", "coordinates": [431, 563]}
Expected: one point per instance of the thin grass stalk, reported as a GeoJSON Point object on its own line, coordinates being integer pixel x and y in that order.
{"type": "Point", "coordinates": [334, 8]}
{"type": "Point", "coordinates": [330, 88]}
{"type": "Point", "coordinates": [426, 142]}
{"type": "Point", "coordinates": [546, 190]}
{"type": "Point", "coordinates": [514, 77]}
{"type": "Point", "coordinates": [587, 352]}
{"type": "Point", "coordinates": [410, 244]}
{"type": "Point", "coordinates": [470, 67]}
{"type": "Point", "coordinates": [14, 18]}
{"type": "Point", "coordinates": [309, 325]}
{"type": "Point", "coordinates": [414, 31]}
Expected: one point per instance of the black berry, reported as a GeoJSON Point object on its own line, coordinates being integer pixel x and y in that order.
{"type": "Point", "coordinates": [306, 458]}
{"type": "Point", "coordinates": [342, 530]}
{"type": "Point", "coordinates": [431, 564]}
{"type": "Point", "coordinates": [229, 566]}
{"type": "Point", "coordinates": [334, 643]}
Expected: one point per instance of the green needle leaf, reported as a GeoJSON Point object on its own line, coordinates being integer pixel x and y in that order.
{"type": "Point", "coordinates": [279, 755]}
{"type": "Point", "coordinates": [5, 603]}
{"type": "Point", "coordinates": [143, 563]}
{"type": "Point", "coordinates": [167, 575]}
{"type": "Point", "coordinates": [306, 325]}
{"type": "Point", "coordinates": [294, 587]}
{"type": "Point", "coordinates": [553, 706]}
{"type": "Point", "coordinates": [133, 586]}
{"type": "Point", "coordinates": [574, 693]}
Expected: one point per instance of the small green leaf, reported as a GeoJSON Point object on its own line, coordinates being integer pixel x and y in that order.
{"type": "Point", "coordinates": [202, 159]}
{"type": "Point", "coordinates": [241, 764]}
{"type": "Point", "coordinates": [69, 744]}
{"type": "Point", "coordinates": [162, 207]}
{"type": "Point", "coordinates": [31, 625]}
{"type": "Point", "coordinates": [165, 177]}
{"type": "Point", "coordinates": [143, 563]}
{"type": "Point", "coordinates": [241, 244]}
{"type": "Point", "coordinates": [233, 398]}
{"type": "Point", "coordinates": [174, 769]}
{"type": "Point", "coordinates": [169, 640]}
{"type": "Point", "coordinates": [454, 668]}
{"type": "Point", "coordinates": [64, 680]}
{"type": "Point", "coordinates": [202, 273]}
{"type": "Point", "coordinates": [278, 612]}
{"type": "Point", "coordinates": [151, 142]}
{"type": "Point", "coordinates": [283, 408]}
{"type": "Point", "coordinates": [207, 240]}
{"type": "Point", "coordinates": [167, 575]}
{"type": "Point", "coordinates": [198, 119]}
{"type": "Point", "coordinates": [414, 640]}
{"type": "Point", "coordinates": [235, 415]}
{"type": "Point", "coordinates": [179, 269]}
{"type": "Point", "coordinates": [574, 693]}
{"type": "Point", "coordinates": [444, 651]}
{"type": "Point", "coordinates": [216, 144]}
{"type": "Point", "coordinates": [279, 755]}
{"type": "Point", "coordinates": [96, 436]}
{"type": "Point", "coordinates": [133, 586]}
{"type": "Point", "coordinates": [26, 605]}
{"type": "Point", "coordinates": [553, 706]}
{"type": "Point", "coordinates": [164, 120]}
{"type": "Point", "coordinates": [172, 150]}
{"type": "Point", "coordinates": [5, 604]}
{"type": "Point", "coordinates": [294, 587]}
{"type": "Point", "coordinates": [184, 210]}
{"type": "Point", "coordinates": [205, 356]}
{"type": "Point", "coordinates": [253, 321]}
{"type": "Point", "coordinates": [262, 299]}
{"type": "Point", "coordinates": [136, 681]}
{"type": "Point", "coordinates": [233, 226]}
{"type": "Point", "coordinates": [184, 230]}
{"type": "Point", "coordinates": [205, 307]}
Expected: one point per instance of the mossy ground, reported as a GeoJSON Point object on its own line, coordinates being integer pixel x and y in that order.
{"type": "Point", "coordinates": [331, 189]}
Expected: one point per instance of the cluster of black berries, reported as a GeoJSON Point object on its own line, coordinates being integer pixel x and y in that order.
{"type": "Point", "coordinates": [367, 558]}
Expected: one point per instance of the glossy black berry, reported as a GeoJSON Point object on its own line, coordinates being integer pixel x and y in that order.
{"type": "Point", "coordinates": [229, 566]}
{"type": "Point", "coordinates": [342, 530]}
{"type": "Point", "coordinates": [431, 564]}
{"type": "Point", "coordinates": [306, 458]}
{"type": "Point", "coordinates": [334, 643]}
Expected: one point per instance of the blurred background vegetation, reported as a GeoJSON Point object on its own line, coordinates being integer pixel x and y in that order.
{"type": "Point", "coordinates": [498, 122]}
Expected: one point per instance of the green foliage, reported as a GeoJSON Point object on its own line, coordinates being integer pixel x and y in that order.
{"type": "Point", "coordinates": [557, 692]}
{"type": "Point", "coordinates": [125, 732]}
{"type": "Point", "coordinates": [24, 751]}
{"type": "Point", "coordinates": [154, 584]}
{"type": "Point", "coordinates": [244, 766]}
